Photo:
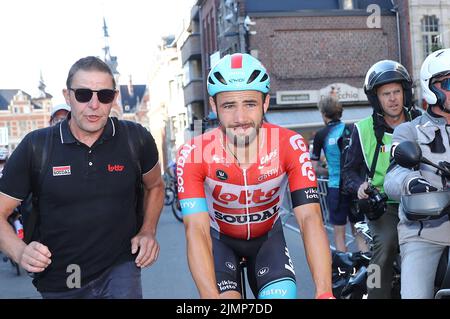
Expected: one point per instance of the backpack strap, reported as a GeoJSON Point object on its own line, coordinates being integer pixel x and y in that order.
{"type": "Point", "coordinates": [136, 145]}
{"type": "Point", "coordinates": [41, 147]}
{"type": "Point", "coordinates": [135, 142]}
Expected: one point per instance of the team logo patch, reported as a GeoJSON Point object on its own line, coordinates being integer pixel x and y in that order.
{"type": "Point", "coordinates": [263, 271]}
{"type": "Point", "coordinates": [61, 170]}
{"type": "Point", "coordinates": [230, 265]}
{"type": "Point", "coordinates": [221, 175]}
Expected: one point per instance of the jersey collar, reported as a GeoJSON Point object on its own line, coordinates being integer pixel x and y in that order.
{"type": "Point", "coordinates": [68, 138]}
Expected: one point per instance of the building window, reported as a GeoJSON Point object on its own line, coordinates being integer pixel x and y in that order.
{"type": "Point", "coordinates": [430, 35]}
{"type": "Point", "coordinates": [347, 4]}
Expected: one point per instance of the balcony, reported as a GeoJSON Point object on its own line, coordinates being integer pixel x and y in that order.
{"type": "Point", "coordinates": [191, 48]}
{"type": "Point", "coordinates": [193, 92]}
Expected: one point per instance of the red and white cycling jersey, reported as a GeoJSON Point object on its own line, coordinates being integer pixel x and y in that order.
{"type": "Point", "coordinates": [245, 203]}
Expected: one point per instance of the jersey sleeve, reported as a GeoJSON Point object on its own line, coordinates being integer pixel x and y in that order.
{"type": "Point", "coordinates": [16, 175]}
{"type": "Point", "coordinates": [318, 145]}
{"type": "Point", "coordinates": [150, 151]}
{"type": "Point", "coordinates": [190, 180]}
{"type": "Point", "coordinates": [301, 175]}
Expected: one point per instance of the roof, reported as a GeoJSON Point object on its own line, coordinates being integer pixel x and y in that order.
{"type": "Point", "coordinates": [7, 95]}
{"type": "Point", "coordinates": [130, 100]}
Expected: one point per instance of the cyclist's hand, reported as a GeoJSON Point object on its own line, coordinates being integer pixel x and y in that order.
{"type": "Point", "coordinates": [146, 244]}
{"type": "Point", "coordinates": [361, 190]}
{"type": "Point", "coordinates": [420, 185]}
{"type": "Point", "coordinates": [35, 257]}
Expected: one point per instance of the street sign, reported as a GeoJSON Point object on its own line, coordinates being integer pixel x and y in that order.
{"type": "Point", "coordinates": [4, 141]}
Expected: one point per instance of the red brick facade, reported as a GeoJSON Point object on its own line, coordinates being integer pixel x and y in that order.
{"type": "Point", "coordinates": [307, 53]}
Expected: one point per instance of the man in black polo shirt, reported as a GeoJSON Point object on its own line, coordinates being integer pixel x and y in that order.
{"type": "Point", "coordinates": [89, 244]}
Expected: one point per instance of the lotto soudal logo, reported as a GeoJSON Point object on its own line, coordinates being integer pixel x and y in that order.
{"type": "Point", "coordinates": [61, 170]}
{"type": "Point", "coordinates": [221, 175]}
{"type": "Point", "coordinates": [244, 219]}
{"type": "Point", "coordinates": [245, 197]}
{"type": "Point", "coordinates": [115, 168]}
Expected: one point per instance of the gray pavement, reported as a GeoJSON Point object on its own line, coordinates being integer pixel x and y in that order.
{"type": "Point", "coordinates": [169, 277]}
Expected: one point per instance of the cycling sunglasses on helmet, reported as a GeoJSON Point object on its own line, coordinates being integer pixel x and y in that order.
{"type": "Point", "coordinates": [85, 95]}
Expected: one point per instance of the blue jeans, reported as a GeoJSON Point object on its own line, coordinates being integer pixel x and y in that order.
{"type": "Point", "coordinates": [122, 281]}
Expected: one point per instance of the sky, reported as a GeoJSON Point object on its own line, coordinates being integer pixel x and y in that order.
{"type": "Point", "coordinates": [48, 36]}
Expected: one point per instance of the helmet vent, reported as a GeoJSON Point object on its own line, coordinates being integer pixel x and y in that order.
{"type": "Point", "coordinates": [264, 78]}
{"type": "Point", "coordinates": [210, 80]}
{"type": "Point", "coordinates": [220, 78]}
{"type": "Point", "coordinates": [253, 76]}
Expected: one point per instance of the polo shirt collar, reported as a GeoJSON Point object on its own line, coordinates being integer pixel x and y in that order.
{"type": "Point", "coordinates": [68, 138]}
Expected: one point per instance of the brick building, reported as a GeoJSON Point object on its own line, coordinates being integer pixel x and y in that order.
{"type": "Point", "coordinates": [20, 113]}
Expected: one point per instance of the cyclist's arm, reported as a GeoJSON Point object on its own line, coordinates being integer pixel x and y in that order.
{"type": "Point", "coordinates": [200, 257]}
{"type": "Point", "coordinates": [316, 152]}
{"type": "Point", "coordinates": [305, 200]}
{"type": "Point", "coordinates": [191, 177]}
{"type": "Point", "coordinates": [316, 244]}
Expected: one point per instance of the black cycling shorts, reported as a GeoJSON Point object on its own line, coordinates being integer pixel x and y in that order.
{"type": "Point", "coordinates": [267, 259]}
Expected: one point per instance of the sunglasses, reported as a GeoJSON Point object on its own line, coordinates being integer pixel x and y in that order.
{"type": "Point", "coordinates": [445, 84]}
{"type": "Point", "coordinates": [85, 95]}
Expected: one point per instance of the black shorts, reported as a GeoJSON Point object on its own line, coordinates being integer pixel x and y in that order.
{"type": "Point", "coordinates": [267, 259]}
{"type": "Point", "coordinates": [339, 208]}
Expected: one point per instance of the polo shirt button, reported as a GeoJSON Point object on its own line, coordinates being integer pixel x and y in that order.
{"type": "Point", "coordinates": [90, 163]}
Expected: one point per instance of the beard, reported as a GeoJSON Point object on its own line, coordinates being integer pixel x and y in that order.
{"type": "Point", "coordinates": [242, 140]}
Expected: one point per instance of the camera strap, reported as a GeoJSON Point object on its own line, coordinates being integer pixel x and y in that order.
{"type": "Point", "coordinates": [374, 161]}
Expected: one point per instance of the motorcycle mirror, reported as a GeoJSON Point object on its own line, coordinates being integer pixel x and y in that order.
{"type": "Point", "coordinates": [408, 154]}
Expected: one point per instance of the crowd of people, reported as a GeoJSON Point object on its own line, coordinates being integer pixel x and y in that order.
{"type": "Point", "coordinates": [231, 182]}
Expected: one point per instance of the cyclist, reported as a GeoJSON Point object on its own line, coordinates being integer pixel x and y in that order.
{"type": "Point", "coordinates": [231, 183]}
{"type": "Point", "coordinates": [330, 139]}
{"type": "Point", "coordinates": [422, 243]}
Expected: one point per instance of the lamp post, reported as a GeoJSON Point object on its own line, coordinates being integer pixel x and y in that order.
{"type": "Point", "coordinates": [242, 32]}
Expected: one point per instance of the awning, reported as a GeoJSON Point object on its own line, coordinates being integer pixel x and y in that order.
{"type": "Point", "coordinates": [311, 117]}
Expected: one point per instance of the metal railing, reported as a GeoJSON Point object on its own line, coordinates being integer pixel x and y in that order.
{"type": "Point", "coordinates": [286, 207]}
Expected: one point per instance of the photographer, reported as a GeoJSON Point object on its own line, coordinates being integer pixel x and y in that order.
{"type": "Point", "coordinates": [388, 89]}
{"type": "Point", "coordinates": [422, 242]}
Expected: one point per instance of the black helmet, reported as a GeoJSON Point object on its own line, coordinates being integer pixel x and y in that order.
{"type": "Point", "coordinates": [384, 72]}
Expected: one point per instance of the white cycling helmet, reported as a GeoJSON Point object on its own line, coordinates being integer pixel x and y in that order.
{"type": "Point", "coordinates": [59, 107]}
{"type": "Point", "coordinates": [437, 64]}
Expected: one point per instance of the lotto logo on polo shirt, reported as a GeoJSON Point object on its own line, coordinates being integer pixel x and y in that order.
{"type": "Point", "coordinates": [61, 170]}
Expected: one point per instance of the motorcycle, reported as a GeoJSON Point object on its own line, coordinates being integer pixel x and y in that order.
{"type": "Point", "coordinates": [350, 271]}
{"type": "Point", "coordinates": [427, 206]}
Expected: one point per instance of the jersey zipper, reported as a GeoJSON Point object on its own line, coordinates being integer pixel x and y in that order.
{"type": "Point", "coordinates": [244, 170]}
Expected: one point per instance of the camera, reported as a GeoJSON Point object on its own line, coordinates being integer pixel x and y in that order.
{"type": "Point", "coordinates": [375, 205]}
